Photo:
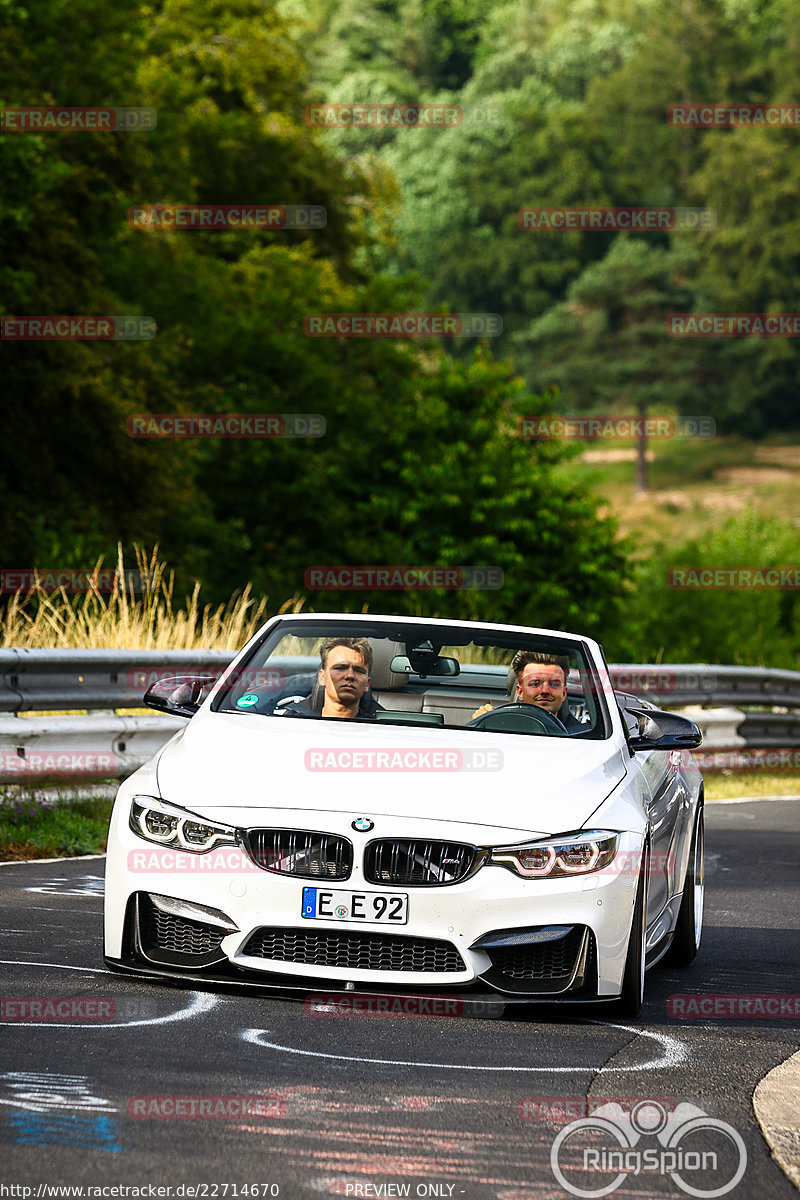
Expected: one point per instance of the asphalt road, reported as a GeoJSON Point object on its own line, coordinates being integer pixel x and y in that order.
{"type": "Point", "coordinates": [385, 1106]}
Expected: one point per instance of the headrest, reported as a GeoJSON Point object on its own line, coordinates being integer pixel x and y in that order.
{"type": "Point", "coordinates": [511, 683]}
{"type": "Point", "coordinates": [383, 678]}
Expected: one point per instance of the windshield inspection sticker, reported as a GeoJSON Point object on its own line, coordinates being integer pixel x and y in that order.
{"type": "Point", "coordinates": [247, 701]}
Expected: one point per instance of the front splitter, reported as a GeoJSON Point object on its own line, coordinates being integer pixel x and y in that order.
{"type": "Point", "coordinates": [473, 1001]}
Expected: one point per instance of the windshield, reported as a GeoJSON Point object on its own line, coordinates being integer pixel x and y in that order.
{"type": "Point", "coordinates": [404, 674]}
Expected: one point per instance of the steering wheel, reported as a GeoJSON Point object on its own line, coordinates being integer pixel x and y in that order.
{"type": "Point", "coordinates": [521, 718]}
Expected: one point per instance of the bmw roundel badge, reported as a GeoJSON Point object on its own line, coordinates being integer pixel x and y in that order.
{"type": "Point", "coordinates": [363, 824]}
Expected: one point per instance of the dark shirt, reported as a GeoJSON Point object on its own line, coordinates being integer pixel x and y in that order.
{"type": "Point", "coordinates": [367, 708]}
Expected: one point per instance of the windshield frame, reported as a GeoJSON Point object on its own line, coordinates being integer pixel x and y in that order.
{"type": "Point", "coordinates": [444, 633]}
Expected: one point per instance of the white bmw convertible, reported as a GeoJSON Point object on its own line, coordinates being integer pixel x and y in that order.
{"type": "Point", "coordinates": [379, 803]}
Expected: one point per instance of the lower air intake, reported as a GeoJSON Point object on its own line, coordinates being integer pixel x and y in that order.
{"type": "Point", "coordinates": [354, 951]}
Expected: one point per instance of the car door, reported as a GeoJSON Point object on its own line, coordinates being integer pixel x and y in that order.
{"type": "Point", "coordinates": [664, 808]}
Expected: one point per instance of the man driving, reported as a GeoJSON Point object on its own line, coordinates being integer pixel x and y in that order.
{"type": "Point", "coordinates": [541, 680]}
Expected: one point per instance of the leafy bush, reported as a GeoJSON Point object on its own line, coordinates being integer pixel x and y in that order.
{"type": "Point", "coordinates": [750, 626]}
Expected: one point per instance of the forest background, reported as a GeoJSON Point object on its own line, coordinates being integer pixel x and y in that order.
{"type": "Point", "coordinates": [422, 462]}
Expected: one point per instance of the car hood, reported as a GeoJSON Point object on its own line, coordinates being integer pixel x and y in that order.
{"type": "Point", "coordinates": [225, 765]}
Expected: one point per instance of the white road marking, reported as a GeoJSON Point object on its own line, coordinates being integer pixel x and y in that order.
{"type": "Point", "coordinates": [50, 1092]}
{"type": "Point", "coordinates": [752, 799]}
{"type": "Point", "coordinates": [87, 885]}
{"type": "Point", "coordinates": [24, 962]}
{"type": "Point", "coordinates": [42, 861]}
{"type": "Point", "coordinates": [202, 1002]}
{"type": "Point", "coordinates": [673, 1054]}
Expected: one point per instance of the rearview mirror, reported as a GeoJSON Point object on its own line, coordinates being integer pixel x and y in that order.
{"type": "Point", "coordinates": [438, 665]}
{"type": "Point", "coordinates": [180, 695]}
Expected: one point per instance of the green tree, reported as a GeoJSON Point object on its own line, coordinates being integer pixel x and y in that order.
{"type": "Point", "coordinates": [608, 341]}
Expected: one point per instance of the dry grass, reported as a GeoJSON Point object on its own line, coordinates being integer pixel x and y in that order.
{"type": "Point", "coordinates": [729, 785]}
{"type": "Point", "coordinates": [696, 486]}
{"type": "Point", "coordinates": [132, 619]}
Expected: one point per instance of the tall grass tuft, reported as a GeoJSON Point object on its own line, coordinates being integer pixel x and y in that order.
{"type": "Point", "coordinates": [132, 617]}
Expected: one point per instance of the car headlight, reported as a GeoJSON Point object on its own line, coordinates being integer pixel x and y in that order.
{"type": "Point", "coordinates": [157, 821]}
{"type": "Point", "coordinates": [572, 854]}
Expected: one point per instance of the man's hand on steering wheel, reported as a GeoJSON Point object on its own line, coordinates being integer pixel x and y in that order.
{"type": "Point", "coordinates": [538, 716]}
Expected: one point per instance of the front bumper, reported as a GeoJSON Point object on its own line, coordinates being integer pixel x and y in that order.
{"type": "Point", "coordinates": [562, 938]}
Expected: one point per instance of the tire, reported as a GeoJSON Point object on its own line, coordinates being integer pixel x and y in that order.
{"type": "Point", "coordinates": [632, 995]}
{"type": "Point", "coordinates": [689, 929]}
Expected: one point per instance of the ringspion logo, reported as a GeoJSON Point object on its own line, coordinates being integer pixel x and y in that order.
{"type": "Point", "coordinates": [592, 1156]}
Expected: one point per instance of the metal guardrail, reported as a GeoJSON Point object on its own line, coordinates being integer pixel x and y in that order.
{"type": "Point", "coordinates": [676, 685]}
{"type": "Point", "coordinates": [104, 745]}
{"type": "Point", "coordinates": [63, 680]}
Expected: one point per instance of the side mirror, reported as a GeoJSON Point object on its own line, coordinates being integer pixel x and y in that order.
{"type": "Point", "coordinates": [180, 695]}
{"type": "Point", "coordinates": [664, 731]}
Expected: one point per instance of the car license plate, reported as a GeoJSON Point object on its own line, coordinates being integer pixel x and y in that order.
{"type": "Point", "coordinates": [389, 908]}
